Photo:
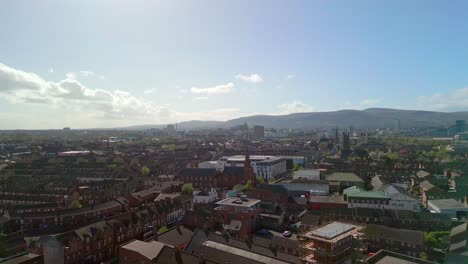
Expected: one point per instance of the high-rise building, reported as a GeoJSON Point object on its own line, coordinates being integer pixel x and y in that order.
{"type": "Point", "coordinates": [332, 243]}
{"type": "Point", "coordinates": [396, 127]}
{"type": "Point", "coordinates": [460, 125]}
{"type": "Point", "coordinates": [259, 132]}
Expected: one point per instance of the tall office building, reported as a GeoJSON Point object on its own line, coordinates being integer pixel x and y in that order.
{"type": "Point", "coordinates": [259, 132]}
{"type": "Point", "coordinates": [396, 127]}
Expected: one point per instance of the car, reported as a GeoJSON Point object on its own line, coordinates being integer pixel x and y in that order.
{"type": "Point", "coordinates": [287, 234]}
{"type": "Point", "coordinates": [263, 232]}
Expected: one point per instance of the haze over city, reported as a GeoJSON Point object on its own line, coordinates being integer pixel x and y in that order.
{"type": "Point", "coordinates": [233, 132]}
{"type": "Point", "coordinates": [87, 64]}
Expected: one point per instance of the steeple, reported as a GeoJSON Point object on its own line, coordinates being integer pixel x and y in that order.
{"type": "Point", "coordinates": [249, 174]}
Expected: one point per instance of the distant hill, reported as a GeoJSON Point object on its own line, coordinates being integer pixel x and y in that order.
{"type": "Point", "coordinates": [368, 118]}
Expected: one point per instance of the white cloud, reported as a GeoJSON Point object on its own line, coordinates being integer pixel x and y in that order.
{"type": "Point", "coordinates": [290, 76]}
{"type": "Point", "coordinates": [19, 87]}
{"type": "Point", "coordinates": [84, 74]}
{"type": "Point", "coordinates": [201, 98]}
{"type": "Point", "coordinates": [452, 101]}
{"type": "Point", "coordinates": [218, 89]}
{"type": "Point", "coordinates": [369, 102]}
{"type": "Point", "coordinates": [51, 70]}
{"type": "Point", "coordinates": [295, 107]}
{"type": "Point", "coordinates": [221, 114]}
{"type": "Point", "coordinates": [149, 91]}
{"type": "Point", "coordinates": [252, 78]}
{"type": "Point", "coordinates": [88, 74]}
{"type": "Point", "coordinates": [71, 75]}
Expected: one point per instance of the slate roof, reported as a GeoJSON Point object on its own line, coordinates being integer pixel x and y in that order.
{"type": "Point", "coordinates": [209, 172]}
{"type": "Point", "coordinates": [234, 171]}
{"type": "Point", "coordinates": [344, 176]}
{"type": "Point", "coordinates": [395, 234]}
{"type": "Point", "coordinates": [396, 193]}
{"type": "Point", "coordinates": [176, 236]}
{"type": "Point", "coordinates": [276, 188]}
{"type": "Point", "coordinates": [310, 219]}
{"type": "Point", "coordinates": [149, 250]}
{"type": "Point", "coordinates": [199, 237]}
{"type": "Point", "coordinates": [221, 251]}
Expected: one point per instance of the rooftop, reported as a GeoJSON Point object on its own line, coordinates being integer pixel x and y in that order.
{"type": "Point", "coordinates": [389, 257]}
{"type": "Point", "coordinates": [150, 250]}
{"type": "Point", "coordinates": [242, 253]}
{"type": "Point", "coordinates": [344, 176]}
{"type": "Point", "coordinates": [332, 230]}
{"type": "Point", "coordinates": [25, 258]}
{"type": "Point", "coordinates": [446, 204]}
{"type": "Point", "coordinates": [235, 201]}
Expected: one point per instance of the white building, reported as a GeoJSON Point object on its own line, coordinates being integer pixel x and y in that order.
{"type": "Point", "coordinates": [309, 174]}
{"type": "Point", "coordinates": [211, 165]}
{"type": "Point", "coordinates": [400, 199]}
{"type": "Point", "coordinates": [202, 197]}
{"type": "Point", "coordinates": [267, 167]}
{"type": "Point", "coordinates": [386, 197]}
{"type": "Point", "coordinates": [446, 206]}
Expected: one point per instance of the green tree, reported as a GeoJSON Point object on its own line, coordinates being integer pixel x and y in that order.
{"type": "Point", "coordinates": [260, 180]}
{"type": "Point", "coordinates": [247, 187]}
{"type": "Point", "coordinates": [145, 171]}
{"type": "Point", "coordinates": [163, 229]}
{"type": "Point", "coordinates": [187, 188]}
{"type": "Point", "coordinates": [297, 167]}
{"type": "Point", "coordinates": [76, 204]}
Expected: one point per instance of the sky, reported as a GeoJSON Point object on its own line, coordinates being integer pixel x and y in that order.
{"type": "Point", "coordinates": [111, 63]}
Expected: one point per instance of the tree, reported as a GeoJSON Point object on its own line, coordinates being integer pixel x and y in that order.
{"type": "Point", "coordinates": [163, 229]}
{"type": "Point", "coordinates": [187, 188]}
{"type": "Point", "coordinates": [261, 180]}
{"type": "Point", "coordinates": [247, 187]}
{"type": "Point", "coordinates": [297, 167]}
{"type": "Point", "coordinates": [145, 171]}
{"type": "Point", "coordinates": [76, 204]}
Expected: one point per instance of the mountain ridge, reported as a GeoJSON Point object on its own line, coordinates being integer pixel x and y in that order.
{"type": "Point", "coordinates": [368, 118]}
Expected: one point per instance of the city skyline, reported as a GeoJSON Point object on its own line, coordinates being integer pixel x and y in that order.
{"type": "Point", "coordinates": [115, 64]}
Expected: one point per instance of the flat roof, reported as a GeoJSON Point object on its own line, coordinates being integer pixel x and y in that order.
{"type": "Point", "coordinates": [236, 201]}
{"type": "Point", "coordinates": [446, 204]}
{"type": "Point", "coordinates": [242, 253]}
{"type": "Point", "coordinates": [150, 250]}
{"type": "Point", "coordinates": [21, 258]}
{"type": "Point", "coordinates": [344, 176]}
{"type": "Point", "coordinates": [332, 230]}
{"type": "Point", "coordinates": [256, 158]}
{"type": "Point", "coordinates": [394, 260]}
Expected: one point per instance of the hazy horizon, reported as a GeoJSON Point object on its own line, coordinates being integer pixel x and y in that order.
{"type": "Point", "coordinates": [87, 64]}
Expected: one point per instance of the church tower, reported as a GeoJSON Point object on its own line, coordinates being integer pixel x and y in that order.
{"type": "Point", "coordinates": [249, 174]}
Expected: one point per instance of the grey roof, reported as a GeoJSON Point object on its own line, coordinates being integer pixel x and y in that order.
{"type": "Point", "coordinates": [199, 237]}
{"type": "Point", "coordinates": [390, 257]}
{"type": "Point", "coordinates": [310, 219]}
{"type": "Point", "coordinates": [197, 172]}
{"type": "Point", "coordinates": [459, 229]}
{"type": "Point", "coordinates": [277, 188]}
{"type": "Point", "coordinates": [234, 225]}
{"type": "Point", "coordinates": [234, 201]}
{"type": "Point", "coordinates": [426, 185]}
{"type": "Point", "coordinates": [148, 249]}
{"type": "Point", "coordinates": [396, 192]}
{"type": "Point", "coordinates": [395, 234]}
{"type": "Point", "coordinates": [376, 182]}
{"type": "Point", "coordinates": [176, 236]}
{"type": "Point", "coordinates": [446, 204]}
{"type": "Point", "coordinates": [422, 174]}
{"type": "Point", "coordinates": [344, 176]}
{"type": "Point", "coordinates": [234, 171]}
{"type": "Point", "coordinates": [332, 230]}
{"type": "Point", "coordinates": [242, 253]}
